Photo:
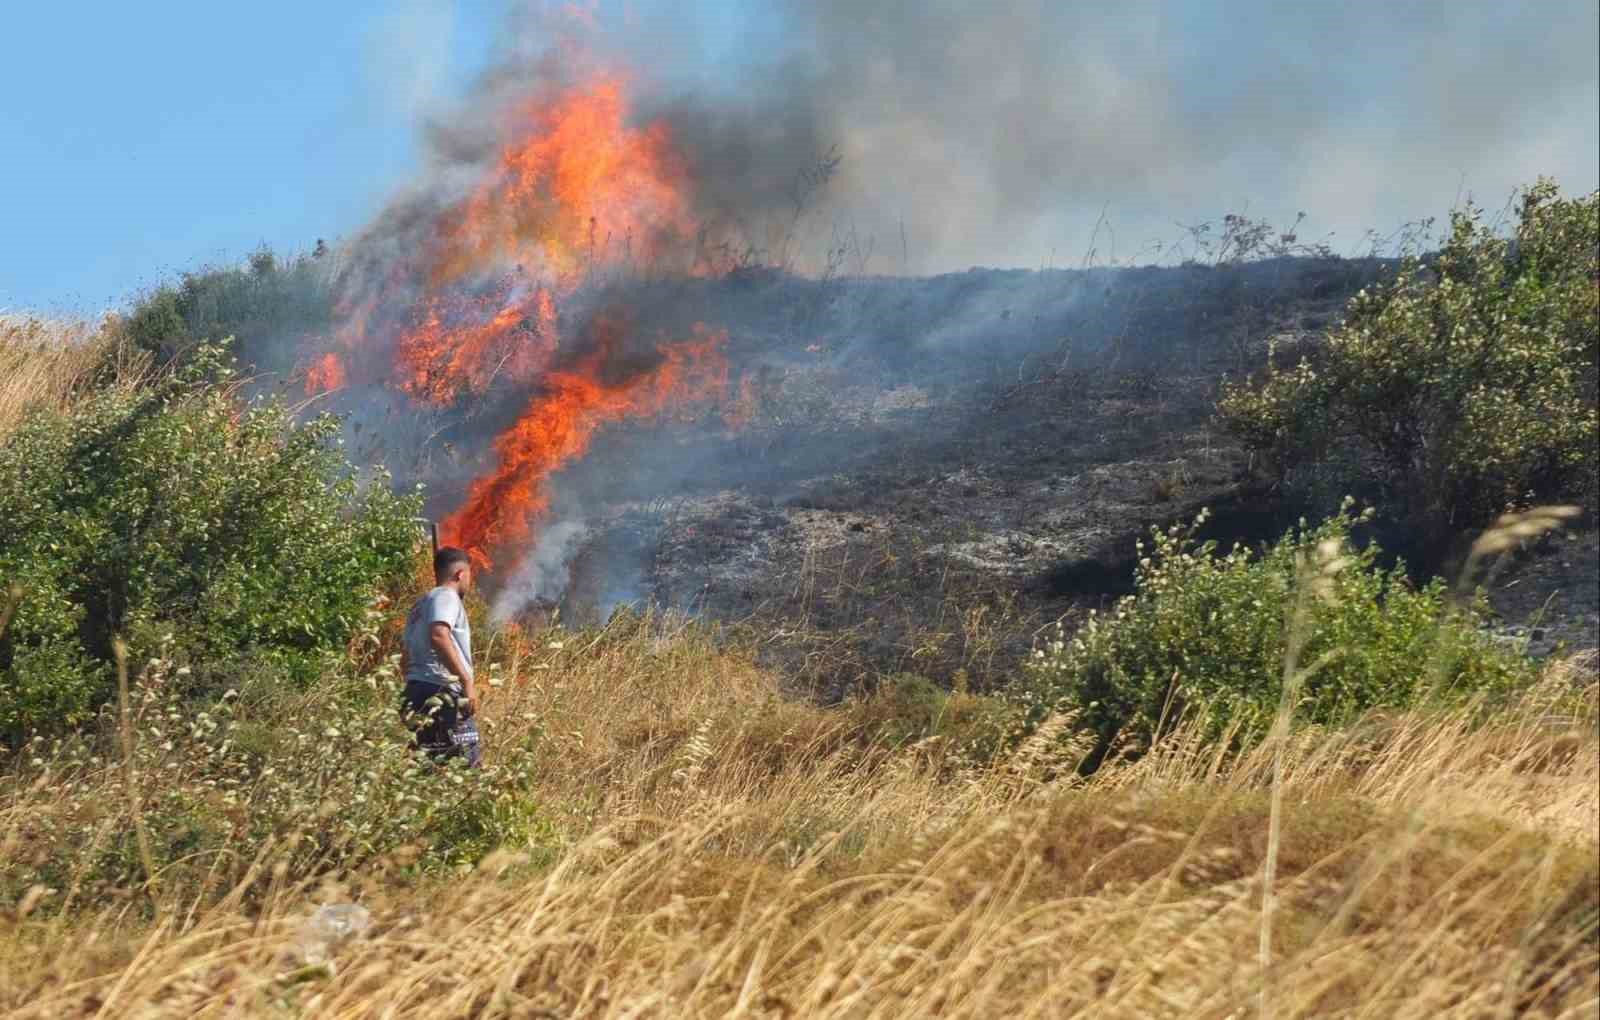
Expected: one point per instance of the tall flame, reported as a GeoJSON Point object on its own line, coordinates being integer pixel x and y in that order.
{"type": "Point", "coordinates": [575, 188]}
{"type": "Point", "coordinates": [560, 422]}
{"type": "Point", "coordinates": [325, 374]}
{"type": "Point", "coordinates": [578, 181]}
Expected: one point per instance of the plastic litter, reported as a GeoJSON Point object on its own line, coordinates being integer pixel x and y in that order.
{"type": "Point", "coordinates": [327, 927]}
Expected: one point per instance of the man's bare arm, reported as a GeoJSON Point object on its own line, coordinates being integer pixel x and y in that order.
{"type": "Point", "coordinates": [450, 655]}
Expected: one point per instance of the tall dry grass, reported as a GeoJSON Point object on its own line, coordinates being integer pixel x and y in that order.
{"type": "Point", "coordinates": [731, 853]}
{"type": "Point", "coordinates": [44, 362]}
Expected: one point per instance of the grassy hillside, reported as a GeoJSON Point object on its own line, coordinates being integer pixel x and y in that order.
{"type": "Point", "coordinates": [1290, 781]}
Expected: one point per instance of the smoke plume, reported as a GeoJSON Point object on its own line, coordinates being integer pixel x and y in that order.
{"type": "Point", "coordinates": [998, 133]}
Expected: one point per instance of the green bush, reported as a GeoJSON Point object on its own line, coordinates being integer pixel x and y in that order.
{"type": "Point", "coordinates": [907, 708]}
{"type": "Point", "coordinates": [1208, 633]}
{"type": "Point", "coordinates": [260, 304]}
{"type": "Point", "coordinates": [174, 510]}
{"type": "Point", "coordinates": [325, 776]}
{"type": "Point", "coordinates": [1465, 386]}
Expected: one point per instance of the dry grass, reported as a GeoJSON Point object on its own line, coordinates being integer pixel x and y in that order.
{"type": "Point", "coordinates": [731, 853]}
{"type": "Point", "coordinates": [44, 363]}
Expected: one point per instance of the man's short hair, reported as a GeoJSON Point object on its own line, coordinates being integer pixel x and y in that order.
{"type": "Point", "coordinates": [447, 559]}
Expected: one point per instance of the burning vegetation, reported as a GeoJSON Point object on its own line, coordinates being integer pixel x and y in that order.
{"type": "Point", "coordinates": [560, 421]}
{"type": "Point", "coordinates": [499, 292]}
{"type": "Point", "coordinates": [566, 326]}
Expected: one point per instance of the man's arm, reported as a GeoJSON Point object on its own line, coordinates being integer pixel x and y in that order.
{"type": "Point", "coordinates": [450, 655]}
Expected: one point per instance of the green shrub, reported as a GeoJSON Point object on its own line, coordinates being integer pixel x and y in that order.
{"type": "Point", "coordinates": [260, 304]}
{"type": "Point", "coordinates": [172, 510]}
{"type": "Point", "coordinates": [1208, 633]}
{"type": "Point", "coordinates": [1465, 386]}
{"type": "Point", "coordinates": [907, 708]}
{"type": "Point", "coordinates": [491, 813]}
{"type": "Point", "coordinates": [336, 784]}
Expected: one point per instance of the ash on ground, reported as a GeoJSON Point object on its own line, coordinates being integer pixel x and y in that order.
{"type": "Point", "coordinates": [926, 472]}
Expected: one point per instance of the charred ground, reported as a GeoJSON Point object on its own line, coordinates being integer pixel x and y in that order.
{"type": "Point", "coordinates": [929, 470]}
{"type": "Point", "coordinates": [913, 475]}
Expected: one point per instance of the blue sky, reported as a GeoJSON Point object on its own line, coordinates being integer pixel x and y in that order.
{"type": "Point", "coordinates": [140, 140]}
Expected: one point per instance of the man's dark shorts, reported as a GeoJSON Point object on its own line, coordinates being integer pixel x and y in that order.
{"type": "Point", "coordinates": [437, 714]}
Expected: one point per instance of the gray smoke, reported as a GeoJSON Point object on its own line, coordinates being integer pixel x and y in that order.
{"type": "Point", "coordinates": [544, 573]}
{"type": "Point", "coordinates": [1003, 133]}
{"type": "Point", "coordinates": [997, 133]}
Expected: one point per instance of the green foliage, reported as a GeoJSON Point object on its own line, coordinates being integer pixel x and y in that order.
{"type": "Point", "coordinates": [172, 510]}
{"type": "Point", "coordinates": [326, 778]}
{"type": "Point", "coordinates": [1465, 386]}
{"type": "Point", "coordinates": [907, 708]}
{"type": "Point", "coordinates": [259, 304]}
{"type": "Point", "coordinates": [1207, 632]}
{"type": "Point", "coordinates": [490, 813]}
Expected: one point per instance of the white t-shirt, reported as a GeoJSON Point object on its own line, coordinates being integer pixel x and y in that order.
{"type": "Point", "coordinates": [441, 605]}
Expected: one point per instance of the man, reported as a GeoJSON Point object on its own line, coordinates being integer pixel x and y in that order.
{"type": "Point", "coordinates": [441, 694]}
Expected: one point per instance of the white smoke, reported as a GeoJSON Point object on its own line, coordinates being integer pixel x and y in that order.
{"type": "Point", "coordinates": [545, 572]}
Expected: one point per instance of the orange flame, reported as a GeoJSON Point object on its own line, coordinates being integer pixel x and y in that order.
{"type": "Point", "coordinates": [561, 198]}
{"type": "Point", "coordinates": [560, 422]}
{"type": "Point", "coordinates": [578, 188]}
{"type": "Point", "coordinates": [325, 374]}
{"type": "Point", "coordinates": [575, 188]}
{"type": "Point", "coordinates": [460, 345]}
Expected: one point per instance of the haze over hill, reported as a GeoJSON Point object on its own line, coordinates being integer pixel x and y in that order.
{"type": "Point", "coordinates": [631, 243]}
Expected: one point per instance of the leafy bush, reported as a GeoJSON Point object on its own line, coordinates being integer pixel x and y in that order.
{"type": "Point", "coordinates": [325, 778]}
{"type": "Point", "coordinates": [259, 304]}
{"type": "Point", "coordinates": [173, 510]}
{"type": "Point", "coordinates": [907, 708]}
{"type": "Point", "coordinates": [1465, 386]}
{"type": "Point", "coordinates": [1209, 633]}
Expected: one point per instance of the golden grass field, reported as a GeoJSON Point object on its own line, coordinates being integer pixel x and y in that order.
{"type": "Point", "coordinates": [41, 361]}
{"type": "Point", "coordinates": [730, 853]}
